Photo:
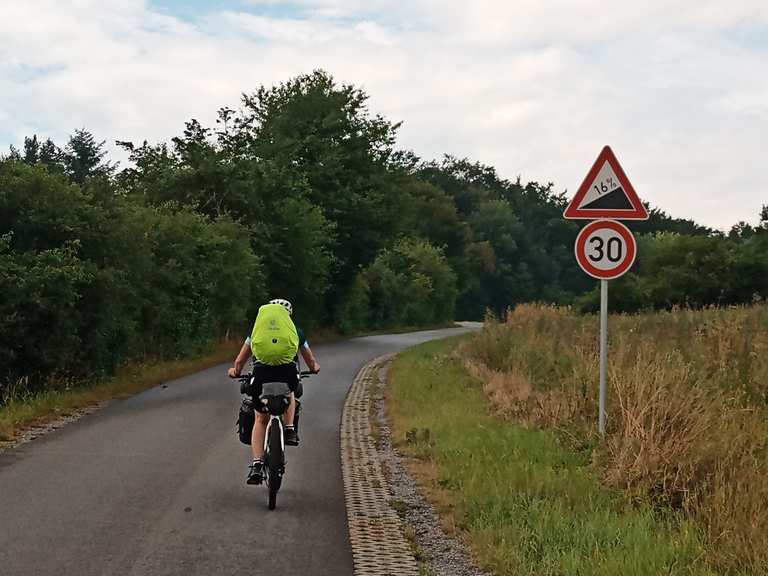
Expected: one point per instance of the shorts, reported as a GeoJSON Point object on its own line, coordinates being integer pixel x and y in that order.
{"type": "Point", "coordinates": [265, 373]}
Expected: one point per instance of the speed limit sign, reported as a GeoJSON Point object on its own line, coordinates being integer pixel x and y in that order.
{"type": "Point", "coordinates": [605, 249]}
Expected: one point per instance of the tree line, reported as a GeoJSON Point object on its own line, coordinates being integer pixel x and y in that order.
{"type": "Point", "coordinates": [301, 193]}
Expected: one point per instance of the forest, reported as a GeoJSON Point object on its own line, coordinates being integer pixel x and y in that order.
{"type": "Point", "coordinates": [301, 193]}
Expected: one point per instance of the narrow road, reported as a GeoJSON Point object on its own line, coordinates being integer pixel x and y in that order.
{"type": "Point", "coordinates": [155, 484]}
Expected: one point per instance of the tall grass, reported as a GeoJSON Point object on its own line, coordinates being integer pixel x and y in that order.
{"type": "Point", "coordinates": [688, 401]}
{"type": "Point", "coordinates": [526, 502]}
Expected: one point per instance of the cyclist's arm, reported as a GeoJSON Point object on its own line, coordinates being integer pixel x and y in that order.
{"type": "Point", "coordinates": [242, 358]}
{"type": "Point", "coordinates": [309, 358]}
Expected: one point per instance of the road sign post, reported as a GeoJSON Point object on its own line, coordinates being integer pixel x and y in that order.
{"type": "Point", "coordinates": [605, 249]}
{"type": "Point", "coordinates": [603, 354]}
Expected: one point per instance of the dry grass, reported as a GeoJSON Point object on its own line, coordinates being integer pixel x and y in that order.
{"type": "Point", "coordinates": [525, 502]}
{"type": "Point", "coordinates": [688, 400]}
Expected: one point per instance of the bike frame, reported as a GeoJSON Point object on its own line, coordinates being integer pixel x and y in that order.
{"type": "Point", "coordinates": [272, 418]}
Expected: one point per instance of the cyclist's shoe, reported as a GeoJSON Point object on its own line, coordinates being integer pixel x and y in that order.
{"type": "Point", "coordinates": [256, 472]}
{"type": "Point", "coordinates": [291, 436]}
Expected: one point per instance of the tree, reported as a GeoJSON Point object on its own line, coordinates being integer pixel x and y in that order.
{"type": "Point", "coordinates": [322, 131]}
{"type": "Point", "coordinates": [660, 221]}
{"type": "Point", "coordinates": [83, 158]}
{"type": "Point", "coordinates": [31, 150]}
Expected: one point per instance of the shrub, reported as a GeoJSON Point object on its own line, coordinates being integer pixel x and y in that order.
{"type": "Point", "coordinates": [90, 278]}
{"type": "Point", "coordinates": [410, 284]}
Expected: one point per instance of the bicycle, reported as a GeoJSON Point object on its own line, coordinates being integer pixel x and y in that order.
{"type": "Point", "coordinates": [274, 400]}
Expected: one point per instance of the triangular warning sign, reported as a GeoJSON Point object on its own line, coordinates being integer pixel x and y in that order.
{"type": "Point", "coordinates": [606, 193]}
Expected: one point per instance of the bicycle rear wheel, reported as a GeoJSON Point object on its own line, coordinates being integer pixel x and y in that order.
{"type": "Point", "coordinates": [274, 461]}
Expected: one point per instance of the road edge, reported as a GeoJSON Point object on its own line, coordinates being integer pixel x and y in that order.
{"type": "Point", "coordinates": [379, 547]}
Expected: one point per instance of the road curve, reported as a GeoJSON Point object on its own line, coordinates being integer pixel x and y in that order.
{"type": "Point", "coordinates": [155, 484]}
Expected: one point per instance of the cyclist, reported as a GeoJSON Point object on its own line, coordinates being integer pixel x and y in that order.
{"type": "Point", "coordinates": [274, 345]}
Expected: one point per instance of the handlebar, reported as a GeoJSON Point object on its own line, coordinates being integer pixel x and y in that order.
{"type": "Point", "coordinates": [302, 374]}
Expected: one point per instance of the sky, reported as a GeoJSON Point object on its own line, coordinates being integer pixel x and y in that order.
{"type": "Point", "coordinates": [677, 88]}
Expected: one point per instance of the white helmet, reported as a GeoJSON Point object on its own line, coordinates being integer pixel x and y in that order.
{"type": "Point", "coordinates": [284, 303]}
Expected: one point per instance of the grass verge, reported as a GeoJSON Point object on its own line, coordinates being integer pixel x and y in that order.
{"type": "Point", "coordinates": [687, 409]}
{"type": "Point", "coordinates": [37, 409]}
{"type": "Point", "coordinates": [526, 502]}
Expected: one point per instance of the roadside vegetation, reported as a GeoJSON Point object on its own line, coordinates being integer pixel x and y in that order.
{"type": "Point", "coordinates": [299, 193]}
{"type": "Point", "coordinates": [24, 408]}
{"type": "Point", "coordinates": [686, 448]}
{"type": "Point", "coordinates": [526, 501]}
{"type": "Point", "coordinates": [688, 409]}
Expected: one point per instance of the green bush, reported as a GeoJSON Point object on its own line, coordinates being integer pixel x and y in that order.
{"type": "Point", "coordinates": [689, 271]}
{"type": "Point", "coordinates": [39, 310]}
{"type": "Point", "coordinates": [410, 284]}
{"type": "Point", "coordinates": [90, 278]}
{"type": "Point", "coordinates": [200, 283]}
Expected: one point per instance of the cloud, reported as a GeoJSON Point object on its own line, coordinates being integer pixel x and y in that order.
{"type": "Point", "coordinates": [484, 22]}
{"type": "Point", "coordinates": [306, 32]}
{"type": "Point", "coordinates": [533, 88]}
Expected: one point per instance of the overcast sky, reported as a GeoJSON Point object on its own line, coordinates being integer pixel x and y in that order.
{"type": "Point", "coordinates": [678, 88]}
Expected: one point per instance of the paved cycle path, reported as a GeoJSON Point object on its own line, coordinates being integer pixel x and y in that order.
{"type": "Point", "coordinates": [155, 484]}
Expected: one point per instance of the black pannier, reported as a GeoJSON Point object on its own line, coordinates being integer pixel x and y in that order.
{"type": "Point", "coordinates": [246, 418]}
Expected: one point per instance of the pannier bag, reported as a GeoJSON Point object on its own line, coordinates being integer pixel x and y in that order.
{"type": "Point", "coordinates": [245, 420]}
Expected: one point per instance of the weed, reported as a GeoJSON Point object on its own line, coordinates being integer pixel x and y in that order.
{"type": "Point", "coordinates": [399, 506]}
{"type": "Point", "coordinates": [418, 552]}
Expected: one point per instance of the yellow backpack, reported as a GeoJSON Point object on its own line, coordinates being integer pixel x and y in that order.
{"type": "Point", "coordinates": [274, 339]}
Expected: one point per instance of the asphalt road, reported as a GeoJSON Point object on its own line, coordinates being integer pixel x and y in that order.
{"type": "Point", "coordinates": [155, 484]}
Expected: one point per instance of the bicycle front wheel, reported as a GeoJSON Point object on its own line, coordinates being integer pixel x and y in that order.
{"type": "Point", "coordinates": [274, 458]}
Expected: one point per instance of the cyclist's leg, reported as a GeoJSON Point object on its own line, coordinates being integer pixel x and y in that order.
{"type": "Point", "coordinates": [289, 418]}
{"type": "Point", "coordinates": [290, 412]}
{"type": "Point", "coordinates": [260, 372]}
{"type": "Point", "coordinates": [257, 436]}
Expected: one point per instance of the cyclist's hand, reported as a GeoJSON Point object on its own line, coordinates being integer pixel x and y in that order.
{"type": "Point", "coordinates": [315, 367]}
{"type": "Point", "coordinates": [232, 373]}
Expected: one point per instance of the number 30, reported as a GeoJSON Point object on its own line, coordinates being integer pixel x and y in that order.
{"type": "Point", "coordinates": [615, 249]}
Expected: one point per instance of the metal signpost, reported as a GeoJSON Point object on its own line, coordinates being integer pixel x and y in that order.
{"type": "Point", "coordinates": [605, 249]}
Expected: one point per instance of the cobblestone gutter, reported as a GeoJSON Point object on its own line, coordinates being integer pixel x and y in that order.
{"type": "Point", "coordinates": [376, 483]}
{"type": "Point", "coordinates": [375, 530]}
